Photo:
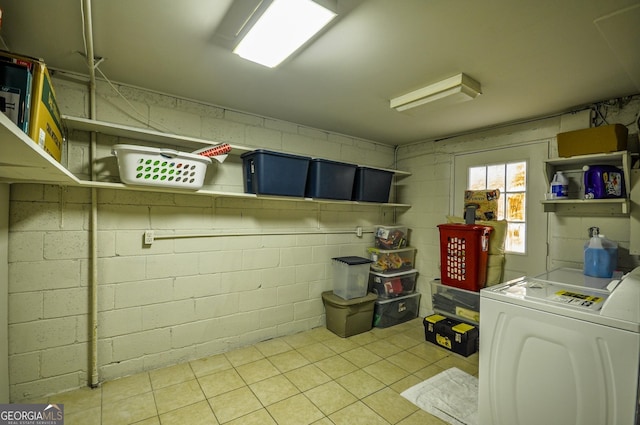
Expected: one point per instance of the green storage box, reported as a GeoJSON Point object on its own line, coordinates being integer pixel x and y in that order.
{"type": "Point", "coordinates": [348, 317]}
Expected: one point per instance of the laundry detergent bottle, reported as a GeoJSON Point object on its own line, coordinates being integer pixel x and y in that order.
{"type": "Point", "coordinates": [603, 181]}
{"type": "Point", "coordinates": [600, 255]}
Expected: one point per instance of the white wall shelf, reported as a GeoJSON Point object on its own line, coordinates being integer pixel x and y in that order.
{"type": "Point", "coordinates": [144, 134]}
{"type": "Point", "coordinates": [587, 206]}
{"type": "Point", "coordinates": [220, 194]}
{"type": "Point", "coordinates": [147, 135]}
{"type": "Point", "coordinates": [576, 204]}
{"type": "Point", "coordinates": [23, 161]}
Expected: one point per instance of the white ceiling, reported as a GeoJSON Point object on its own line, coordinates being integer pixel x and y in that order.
{"type": "Point", "coordinates": [532, 57]}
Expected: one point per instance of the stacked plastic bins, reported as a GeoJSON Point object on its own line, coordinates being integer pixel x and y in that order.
{"type": "Point", "coordinates": [393, 277]}
{"type": "Point", "coordinates": [464, 250]}
{"type": "Point", "coordinates": [349, 307]}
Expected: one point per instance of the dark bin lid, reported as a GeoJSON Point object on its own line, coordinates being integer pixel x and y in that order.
{"type": "Point", "coordinates": [353, 261]}
{"type": "Point", "coordinates": [328, 161]}
{"type": "Point", "coordinates": [273, 153]}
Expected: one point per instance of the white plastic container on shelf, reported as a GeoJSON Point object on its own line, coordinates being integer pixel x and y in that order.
{"type": "Point", "coordinates": [350, 277]}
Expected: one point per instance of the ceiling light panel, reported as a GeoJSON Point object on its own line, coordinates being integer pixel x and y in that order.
{"type": "Point", "coordinates": [281, 30]}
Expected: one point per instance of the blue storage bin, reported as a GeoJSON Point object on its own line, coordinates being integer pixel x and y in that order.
{"type": "Point", "coordinates": [372, 185]}
{"type": "Point", "coordinates": [330, 179]}
{"type": "Point", "coordinates": [274, 173]}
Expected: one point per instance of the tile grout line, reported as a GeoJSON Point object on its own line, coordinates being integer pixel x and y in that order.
{"type": "Point", "coordinates": [405, 339]}
{"type": "Point", "coordinates": [203, 393]}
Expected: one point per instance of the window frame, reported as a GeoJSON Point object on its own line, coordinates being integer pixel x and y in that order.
{"type": "Point", "coordinates": [506, 177]}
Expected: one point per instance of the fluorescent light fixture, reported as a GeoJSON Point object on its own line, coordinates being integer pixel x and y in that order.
{"type": "Point", "coordinates": [283, 27]}
{"type": "Point", "coordinates": [458, 88]}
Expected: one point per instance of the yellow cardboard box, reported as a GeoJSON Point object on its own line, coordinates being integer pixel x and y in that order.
{"type": "Point", "coordinates": [485, 202]}
{"type": "Point", "coordinates": [603, 139]}
{"type": "Point", "coordinates": [45, 124]}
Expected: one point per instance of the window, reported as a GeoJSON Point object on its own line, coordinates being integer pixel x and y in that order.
{"type": "Point", "coordinates": [511, 179]}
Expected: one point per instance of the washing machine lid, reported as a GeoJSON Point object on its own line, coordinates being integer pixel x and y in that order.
{"type": "Point", "coordinates": [576, 277]}
{"type": "Point", "coordinates": [575, 297]}
{"type": "Point", "coordinates": [539, 291]}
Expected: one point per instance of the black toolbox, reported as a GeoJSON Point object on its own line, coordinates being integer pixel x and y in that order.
{"type": "Point", "coordinates": [456, 336]}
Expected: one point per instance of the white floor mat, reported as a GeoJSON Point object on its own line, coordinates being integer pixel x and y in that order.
{"type": "Point", "coordinates": [451, 395]}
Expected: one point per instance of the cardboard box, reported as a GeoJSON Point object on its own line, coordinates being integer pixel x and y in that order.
{"type": "Point", "coordinates": [45, 124]}
{"type": "Point", "coordinates": [603, 139]}
{"type": "Point", "coordinates": [459, 337]}
{"type": "Point", "coordinates": [484, 201]}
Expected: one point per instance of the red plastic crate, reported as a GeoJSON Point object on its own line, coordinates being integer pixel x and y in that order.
{"type": "Point", "coordinates": [464, 250]}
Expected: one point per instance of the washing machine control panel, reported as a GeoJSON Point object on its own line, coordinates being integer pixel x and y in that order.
{"type": "Point", "coordinates": [577, 299]}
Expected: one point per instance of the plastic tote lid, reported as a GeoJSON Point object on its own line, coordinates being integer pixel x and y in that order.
{"type": "Point", "coordinates": [273, 153]}
{"type": "Point", "coordinates": [353, 261]}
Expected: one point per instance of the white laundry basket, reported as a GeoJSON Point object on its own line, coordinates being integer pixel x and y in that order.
{"type": "Point", "coordinates": [141, 165]}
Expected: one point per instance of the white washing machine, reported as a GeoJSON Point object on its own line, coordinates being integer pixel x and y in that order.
{"type": "Point", "coordinates": [560, 349]}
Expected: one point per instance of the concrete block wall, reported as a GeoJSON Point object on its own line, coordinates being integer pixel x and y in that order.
{"type": "Point", "coordinates": [429, 190]}
{"type": "Point", "coordinates": [179, 298]}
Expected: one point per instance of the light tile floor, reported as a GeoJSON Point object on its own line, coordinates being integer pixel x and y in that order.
{"type": "Point", "coordinates": [313, 377]}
